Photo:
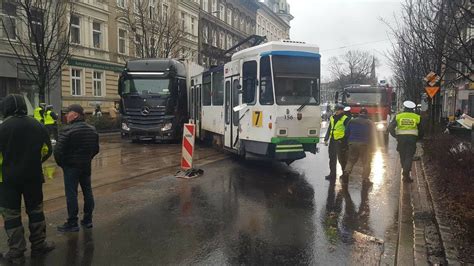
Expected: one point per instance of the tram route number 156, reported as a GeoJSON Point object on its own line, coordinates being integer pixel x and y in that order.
{"type": "Point", "coordinates": [257, 118]}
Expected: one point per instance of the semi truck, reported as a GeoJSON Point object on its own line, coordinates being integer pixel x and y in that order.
{"type": "Point", "coordinates": [377, 99]}
{"type": "Point", "coordinates": [153, 99]}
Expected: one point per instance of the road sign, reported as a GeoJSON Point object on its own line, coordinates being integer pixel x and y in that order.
{"type": "Point", "coordinates": [431, 91]}
{"type": "Point", "coordinates": [188, 146]}
{"type": "Point", "coordinates": [432, 78]}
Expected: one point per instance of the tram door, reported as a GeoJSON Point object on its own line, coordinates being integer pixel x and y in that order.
{"type": "Point", "coordinates": [231, 118]}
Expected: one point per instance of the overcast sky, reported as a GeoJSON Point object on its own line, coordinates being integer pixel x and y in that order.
{"type": "Point", "coordinates": [355, 24]}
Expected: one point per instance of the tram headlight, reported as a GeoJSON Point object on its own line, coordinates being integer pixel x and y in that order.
{"type": "Point", "coordinates": [167, 126]}
{"type": "Point", "coordinates": [125, 126]}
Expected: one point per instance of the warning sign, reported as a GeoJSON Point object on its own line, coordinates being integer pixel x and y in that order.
{"type": "Point", "coordinates": [257, 119]}
{"type": "Point", "coordinates": [431, 91]}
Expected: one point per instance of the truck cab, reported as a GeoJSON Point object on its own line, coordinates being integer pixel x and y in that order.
{"type": "Point", "coordinates": [153, 102]}
{"type": "Point", "coordinates": [376, 99]}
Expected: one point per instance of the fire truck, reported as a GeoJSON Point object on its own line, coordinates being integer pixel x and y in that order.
{"type": "Point", "coordinates": [377, 99]}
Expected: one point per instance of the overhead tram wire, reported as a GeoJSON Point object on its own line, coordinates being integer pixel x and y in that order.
{"type": "Point", "coordinates": [352, 45]}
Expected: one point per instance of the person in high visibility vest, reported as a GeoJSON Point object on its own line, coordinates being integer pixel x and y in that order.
{"type": "Point", "coordinates": [50, 118]}
{"type": "Point", "coordinates": [24, 146]}
{"type": "Point", "coordinates": [39, 113]}
{"type": "Point", "coordinates": [407, 128]}
{"type": "Point", "coordinates": [335, 135]}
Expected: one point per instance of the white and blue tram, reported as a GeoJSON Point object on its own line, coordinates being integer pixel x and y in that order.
{"type": "Point", "coordinates": [264, 102]}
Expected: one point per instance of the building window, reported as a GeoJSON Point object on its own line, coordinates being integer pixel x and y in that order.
{"type": "Point", "coordinates": [152, 9]}
{"type": "Point", "coordinates": [138, 45]}
{"type": "Point", "coordinates": [242, 24]}
{"type": "Point", "coordinates": [121, 3]}
{"type": "Point", "coordinates": [214, 7]}
{"type": "Point", "coordinates": [75, 29]}
{"type": "Point", "coordinates": [205, 34]}
{"type": "Point", "coordinates": [229, 16]}
{"type": "Point", "coordinates": [222, 12]}
{"type": "Point", "coordinates": [76, 82]}
{"type": "Point", "coordinates": [205, 5]}
{"type": "Point", "coordinates": [229, 41]}
{"type": "Point", "coordinates": [221, 40]}
{"type": "Point", "coordinates": [96, 34]}
{"type": "Point", "coordinates": [214, 38]}
{"type": "Point", "coordinates": [236, 19]}
{"type": "Point", "coordinates": [193, 26]}
{"type": "Point", "coordinates": [36, 24]}
{"type": "Point", "coordinates": [165, 12]}
{"type": "Point", "coordinates": [183, 21]}
{"type": "Point", "coordinates": [122, 41]}
{"type": "Point", "coordinates": [9, 20]}
{"type": "Point", "coordinates": [98, 81]}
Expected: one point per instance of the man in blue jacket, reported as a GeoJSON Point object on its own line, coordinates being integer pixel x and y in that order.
{"type": "Point", "coordinates": [360, 135]}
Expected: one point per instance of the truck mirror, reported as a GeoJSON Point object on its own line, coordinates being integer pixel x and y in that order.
{"type": "Point", "coordinates": [336, 98]}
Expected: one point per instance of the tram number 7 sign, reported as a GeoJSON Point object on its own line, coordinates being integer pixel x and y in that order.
{"type": "Point", "coordinates": [257, 118]}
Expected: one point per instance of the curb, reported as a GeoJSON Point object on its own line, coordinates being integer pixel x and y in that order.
{"type": "Point", "coordinates": [105, 134]}
{"type": "Point", "coordinates": [444, 229]}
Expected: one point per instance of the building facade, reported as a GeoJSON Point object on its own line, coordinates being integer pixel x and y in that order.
{"type": "Point", "coordinates": [222, 24]}
{"type": "Point", "coordinates": [271, 25]}
{"type": "Point", "coordinates": [102, 41]}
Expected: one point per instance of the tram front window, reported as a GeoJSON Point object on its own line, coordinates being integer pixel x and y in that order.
{"type": "Point", "coordinates": [296, 80]}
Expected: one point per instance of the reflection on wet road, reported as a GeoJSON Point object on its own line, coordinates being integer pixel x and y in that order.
{"type": "Point", "coordinates": [237, 213]}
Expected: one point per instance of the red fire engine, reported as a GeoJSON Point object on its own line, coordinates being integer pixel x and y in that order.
{"type": "Point", "coordinates": [377, 99]}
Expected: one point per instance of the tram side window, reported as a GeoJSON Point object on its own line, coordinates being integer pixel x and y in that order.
{"type": "Point", "coordinates": [218, 88]}
{"type": "Point", "coordinates": [206, 90]}
{"type": "Point", "coordinates": [249, 82]}
{"type": "Point", "coordinates": [266, 86]}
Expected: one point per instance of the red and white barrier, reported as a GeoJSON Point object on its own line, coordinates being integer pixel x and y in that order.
{"type": "Point", "coordinates": [188, 146]}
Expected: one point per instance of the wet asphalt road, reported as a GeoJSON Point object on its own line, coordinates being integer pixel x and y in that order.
{"type": "Point", "coordinates": [236, 213]}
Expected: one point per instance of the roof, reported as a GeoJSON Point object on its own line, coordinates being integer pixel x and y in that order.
{"type": "Point", "coordinates": [300, 48]}
{"type": "Point", "coordinates": [156, 65]}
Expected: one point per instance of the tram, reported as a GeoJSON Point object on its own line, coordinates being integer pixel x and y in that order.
{"type": "Point", "coordinates": [263, 103]}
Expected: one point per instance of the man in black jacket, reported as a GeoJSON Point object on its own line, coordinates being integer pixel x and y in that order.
{"type": "Point", "coordinates": [77, 145]}
{"type": "Point", "coordinates": [24, 146]}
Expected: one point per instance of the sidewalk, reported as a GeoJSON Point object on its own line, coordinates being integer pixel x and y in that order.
{"type": "Point", "coordinates": [429, 239]}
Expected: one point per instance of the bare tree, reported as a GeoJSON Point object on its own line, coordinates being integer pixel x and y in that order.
{"type": "Point", "coordinates": [432, 35]}
{"type": "Point", "coordinates": [354, 67]}
{"type": "Point", "coordinates": [38, 34]}
{"type": "Point", "coordinates": [157, 30]}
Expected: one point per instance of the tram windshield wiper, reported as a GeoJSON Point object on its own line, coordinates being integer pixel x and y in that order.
{"type": "Point", "coordinates": [304, 104]}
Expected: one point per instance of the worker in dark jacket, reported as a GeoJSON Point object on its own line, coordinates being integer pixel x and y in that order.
{"type": "Point", "coordinates": [77, 145]}
{"type": "Point", "coordinates": [24, 146]}
{"type": "Point", "coordinates": [407, 128]}
{"type": "Point", "coordinates": [360, 136]}
{"type": "Point", "coordinates": [335, 135]}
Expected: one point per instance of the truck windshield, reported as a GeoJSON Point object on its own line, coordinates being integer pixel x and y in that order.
{"type": "Point", "coordinates": [296, 80]}
{"type": "Point", "coordinates": [147, 86]}
{"type": "Point", "coordinates": [365, 98]}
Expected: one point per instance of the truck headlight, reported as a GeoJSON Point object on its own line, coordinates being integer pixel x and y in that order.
{"type": "Point", "coordinates": [167, 127]}
{"type": "Point", "coordinates": [125, 127]}
{"type": "Point", "coordinates": [380, 126]}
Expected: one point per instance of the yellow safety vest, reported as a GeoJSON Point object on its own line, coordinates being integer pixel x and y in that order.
{"type": "Point", "coordinates": [407, 123]}
{"type": "Point", "coordinates": [38, 116]}
{"type": "Point", "coordinates": [48, 119]}
{"type": "Point", "coordinates": [338, 131]}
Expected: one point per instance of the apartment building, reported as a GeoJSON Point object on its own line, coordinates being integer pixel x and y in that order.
{"type": "Point", "coordinates": [222, 24]}
{"type": "Point", "coordinates": [103, 38]}
{"type": "Point", "coordinates": [271, 25]}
